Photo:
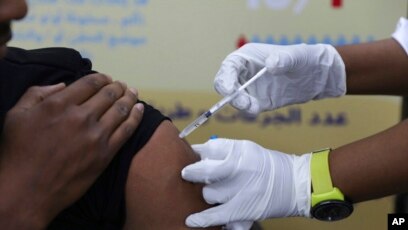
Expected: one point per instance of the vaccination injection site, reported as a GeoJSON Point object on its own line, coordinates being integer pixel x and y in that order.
{"type": "Point", "coordinates": [168, 115]}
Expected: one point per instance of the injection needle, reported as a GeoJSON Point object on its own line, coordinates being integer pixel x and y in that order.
{"type": "Point", "coordinates": [204, 117]}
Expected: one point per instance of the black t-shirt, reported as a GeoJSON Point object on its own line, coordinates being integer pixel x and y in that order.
{"type": "Point", "coordinates": [103, 205]}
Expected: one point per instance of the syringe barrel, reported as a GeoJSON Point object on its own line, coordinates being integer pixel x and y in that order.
{"type": "Point", "coordinates": [195, 124]}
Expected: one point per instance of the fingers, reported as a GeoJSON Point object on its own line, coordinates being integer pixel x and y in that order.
{"type": "Point", "coordinates": [212, 149]}
{"type": "Point", "coordinates": [212, 168]}
{"type": "Point", "coordinates": [215, 216]}
{"type": "Point", "coordinates": [82, 89]}
{"type": "Point", "coordinates": [127, 128]}
{"type": "Point", "coordinates": [36, 94]}
{"type": "Point", "coordinates": [221, 192]}
{"type": "Point", "coordinates": [241, 102]}
{"type": "Point", "coordinates": [109, 95]}
{"type": "Point", "coordinates": [206, 171]}
{"type": "Point", "coordinates": [224, 214]}
{"type": "Point", "coordinates": [119, 111]}
{"type": "Point", "coordinates": [226, 80]}
{"type": "Point", "coordinates": [242, 225]}
{"type": "Point", "coordinates": [209, 217]}
{"type": "Point", "coordinates": [253, 106]}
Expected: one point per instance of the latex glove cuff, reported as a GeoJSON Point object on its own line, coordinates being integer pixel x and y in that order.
{"type": "Point", "coordinates": [301, 167]}
{"type": "Point", "coordinates": [401, 33]}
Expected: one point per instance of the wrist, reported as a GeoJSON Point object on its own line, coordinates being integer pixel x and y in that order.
{"type": "Point", "coordinates": [14, 214]}
{"type": "Point", "coordinates": [17, 210]}
{"type": "Point", "coordinates": [13, 219]}
{"type": "Point", "coordinates": [327, 201]}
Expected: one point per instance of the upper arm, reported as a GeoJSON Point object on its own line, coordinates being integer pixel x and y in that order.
{"type": "Point", "coordinates": [156, 195]}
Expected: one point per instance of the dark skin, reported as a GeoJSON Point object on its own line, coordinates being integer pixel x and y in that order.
{"type": "Point", "coordinates": [57, 140]}
{"type": "Point", "coordinates": [156, 196]}
{"type": "Point", "coordinates": [376, 68]}
{"type": "Point", "coordinates": [375, 166]}
{"type": "Point", "coordinates": [55, 144]}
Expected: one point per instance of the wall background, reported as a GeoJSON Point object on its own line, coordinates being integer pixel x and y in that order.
{"type": "Point", "coordinates": [171, 50]}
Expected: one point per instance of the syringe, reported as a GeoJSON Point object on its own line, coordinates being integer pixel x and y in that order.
{"type": "Point", "coordinates": [204, 117]}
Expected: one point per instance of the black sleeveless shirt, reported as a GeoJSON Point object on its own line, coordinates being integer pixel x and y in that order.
{"type": "Point", "coordinates": [103, 205]}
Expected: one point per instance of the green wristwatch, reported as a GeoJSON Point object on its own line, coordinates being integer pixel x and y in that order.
{"type": "Point", "coordinates": [328, 202]}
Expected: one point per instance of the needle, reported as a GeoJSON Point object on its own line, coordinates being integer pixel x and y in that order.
{"type": "Point", "coordinates": [206, 115]}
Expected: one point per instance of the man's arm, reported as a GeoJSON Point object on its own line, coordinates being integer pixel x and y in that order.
{"type": "Point", "coordinates": [156, 195]}
{"type": "Point", "coordinates": [55, 143]}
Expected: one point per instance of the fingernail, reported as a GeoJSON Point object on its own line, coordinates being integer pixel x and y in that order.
{"type": "Point", "coordinates": [133, 90]}
{"type": "Point", "coordinates": [140, 107]}
{"type": "Point", "coordinates": [124, 85]}
{"type": "Point", "coordinates": [60, 85]}
{"type": "Point", "coordinates": [107, 76]}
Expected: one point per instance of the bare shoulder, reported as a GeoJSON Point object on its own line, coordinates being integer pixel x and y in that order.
{"type": "Point", "coordinates": [156, 195]}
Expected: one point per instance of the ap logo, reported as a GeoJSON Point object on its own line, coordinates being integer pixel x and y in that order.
{"type": "Point", "coordinates": [397, 221]}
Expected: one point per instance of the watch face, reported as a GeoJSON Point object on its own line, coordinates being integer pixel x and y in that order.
{"type": "Point", "coordinates": [332, 210]}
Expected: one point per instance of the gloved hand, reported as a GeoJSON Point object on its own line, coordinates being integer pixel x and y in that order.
{"type": "Point", "coordinates": [249, 182]}
{"type": "Point", "coordinates": [295, 74]}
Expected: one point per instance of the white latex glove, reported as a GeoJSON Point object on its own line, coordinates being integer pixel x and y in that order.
{"type": "Point", "coordinates": [295, 74]}
{"type": "Point", "coordinates": [401, 33]}
{"type": "Point", "coordinates": [249, 182]}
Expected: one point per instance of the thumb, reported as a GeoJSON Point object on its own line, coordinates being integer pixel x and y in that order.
{"type": "Point", "coordinates": [215, 216]}
{"type": "Point", "coordinates": [37, 94]}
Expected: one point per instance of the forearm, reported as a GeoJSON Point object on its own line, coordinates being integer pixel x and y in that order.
{"type": "Point", "coordinates": [373, 167]}
{"type": "Point", "coordinates": [379, 67]}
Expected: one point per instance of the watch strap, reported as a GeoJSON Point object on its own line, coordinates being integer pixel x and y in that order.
{"type": "Point", "coordinates": [322, 185]}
